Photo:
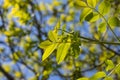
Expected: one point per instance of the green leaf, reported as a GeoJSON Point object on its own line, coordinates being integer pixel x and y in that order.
{"type": "Point", "coordinates": [98, 75]}
{"type": "Point", "coordinates": [83, 78]}
{"type": "Point", "coordinates": [108, 78]}
{"type": "Point", "coordinates": [52, 36]}
{"type": "Point", "coordinates": [62, 51]}
{"type": "Point", "coordinates": [117, 69]}
{"type": "Point", "coordinates": [92, 17]}
{"type": "Point", "coordinates": [80, 4]}
{"type": "Point", "coordinates": [104, 7]}
{"type": "Point", "coordinates": [92, 3]}
{"type": "Point", "coordinates": [49, 50]}
{"type": "Point", "coordinates": [110, 65]}
{"type": "Point", "coordinates": [102, 27]}
{"type": "Point", "coordinates": [84, 13]}
{"type": "Point", "coordinates": [114, 21]}
{"type": "Point", "coordinates": [45, 44]}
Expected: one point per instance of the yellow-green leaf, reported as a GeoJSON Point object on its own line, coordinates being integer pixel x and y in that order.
{"type": "Point", "coordinates": [98, 75]}
{"type": "Point", "coordinates": [52, 36]}
{"type": "Point", "coordinates": [108, 78]}
{"type": "Point", "coordinates": [110, 65]}
{"type": "Point", "coordinates": [83, 78]}
{"type": "Point", "coordinates": [117, 68]}
{"type": "Point", "coordinates": [45, 44]}
{"type": "Point", "coordinates": [92, 3]}
{"type": "Point", "coordinates": [79, 4]}
{"type": "Point", "coordinates": [62, 51]}
{"type": "Point", "coordinates": [49, 50]}
{"type": "Point", "coordinates": [104, 7]}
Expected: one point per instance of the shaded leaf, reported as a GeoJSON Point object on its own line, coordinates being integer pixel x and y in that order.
{"type": "Point", "coordinates": [102, 27]}
{"type": "Point", "coordinates": [114, 21]}
{"type": "Point", "coordinates": [84, 13]}
{"type": "Point", "coordinates": [92, 17]}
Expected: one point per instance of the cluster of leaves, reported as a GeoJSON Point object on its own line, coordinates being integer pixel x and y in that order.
{"type": "Point", "coordinates": [92, 11]}
{"type": "Point", "coordinates": [60, 41]}
{"type": "Point", "coordinates": [41, 37]}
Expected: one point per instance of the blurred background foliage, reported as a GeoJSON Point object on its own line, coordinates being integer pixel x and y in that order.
{"type": "Point", "coordinates": [24, 24]}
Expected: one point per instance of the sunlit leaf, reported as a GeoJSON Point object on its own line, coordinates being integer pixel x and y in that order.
{"type": "Point", "coordinates": [52, 36]}
{"type": "Point", "coordinates": [62, 51]}
{"type": "Point", "coordinates": [45, 44]}
{"type": "Point", "coordinates": [117, 68]}
{"type": "Point", "coordinates": [104, 7]}
{"type": "Point", "coordinates": [79, 4]}
{"type": "Point", "coordinates": [49, 50]}
{"type": "Point", "coordinates": [108, 78]}
{"type": "Point", "coordinates": [98, 75]}
{"type": "Point", "coordinates": [83, 78]}
{"type": "Point", "coordinates": [92, 3]}
{"type": "Point", "coordinates": [110, 65]}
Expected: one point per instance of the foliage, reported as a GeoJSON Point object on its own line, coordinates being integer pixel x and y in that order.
{"type": "Point", "coordinates": [62, 38]}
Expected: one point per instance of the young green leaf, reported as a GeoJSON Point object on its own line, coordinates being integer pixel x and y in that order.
{"type": "Point", "coordinates": [62, 51]}
{"type": "Point", "coordinates": [92, 3]}
{"type": "Point", "coordinates": [104, 7]}
{"type": "Point", "coordinates": [110, 65]}
{"type": "Point", "coordinates": [52, 35]}
{"type": "Point", "coordinates": [45, 44]}
{"type": "Point", "coordinates": [49, 50]}
{"type": "Point", "coordinates": [98, 75]}
{"type": "Point", "coordinates": [84, 13]}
